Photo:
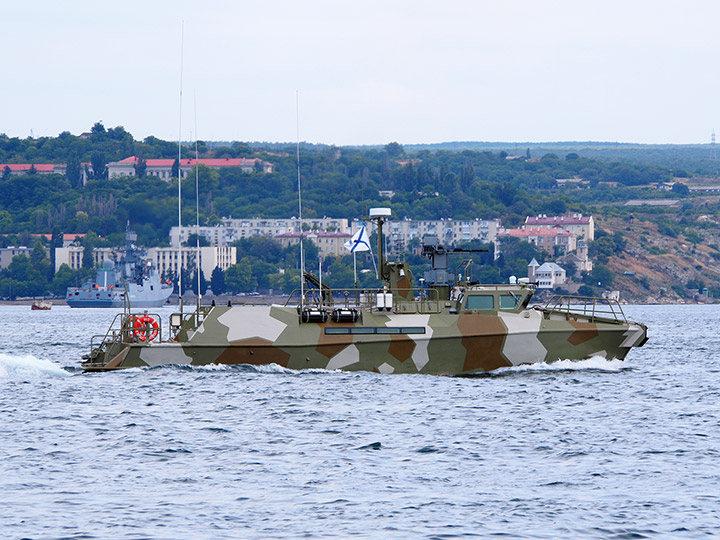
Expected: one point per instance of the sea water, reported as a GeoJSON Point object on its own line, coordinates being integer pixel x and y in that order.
{"type": "Point", "coordinates": [591, 449]}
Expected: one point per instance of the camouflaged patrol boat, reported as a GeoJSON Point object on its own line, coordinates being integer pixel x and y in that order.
{"type": "Point", "coordinates": [447, 327]}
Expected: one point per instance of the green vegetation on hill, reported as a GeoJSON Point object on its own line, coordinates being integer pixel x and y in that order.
{"type": "Point", "coordinates": [461, 181]}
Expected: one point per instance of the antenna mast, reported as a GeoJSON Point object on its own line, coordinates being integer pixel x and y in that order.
{"type": "Point", "coordinates": [179, 261]}
{"type": "Point", "coordinates": [297, 150]}
{"type": "Point", "coordinates": [197, 209]}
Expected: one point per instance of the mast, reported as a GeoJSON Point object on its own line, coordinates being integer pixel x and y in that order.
{"type": "Point", "coordinates": [179, 261]}
{"type": "Point", "coordinates": [380, 215]}
{"type": "Point", "coordinates": [297, 151]}
{"type": "Point", "coordinates": [197, 209]}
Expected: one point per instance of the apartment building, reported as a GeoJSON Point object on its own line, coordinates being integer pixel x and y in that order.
{"type": "Point", "coordinates": [329, 244]}
{"type": "Point", "coordinates": [546, 239]}
{"type": "Point", "coordinates": [231, 230]}
{"type": "Point", "coordinates": [400, 233]}
{"type": "Point", "coordinates": [163, 259]}
{"type": "Point", "coordinates": [581, 226]}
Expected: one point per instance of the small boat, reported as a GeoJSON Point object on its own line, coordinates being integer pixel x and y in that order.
{"type": "Point", "coordinates": [448, 327]}
{"type": "Point", "coordinates": [41, 305]}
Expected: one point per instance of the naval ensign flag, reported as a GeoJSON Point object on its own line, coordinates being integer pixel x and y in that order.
{"type": "Point", "coordinates": [359, 242]}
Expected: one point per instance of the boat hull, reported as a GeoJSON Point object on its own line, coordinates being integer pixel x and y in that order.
{"type": "Point", "coordinates": [437, 343]}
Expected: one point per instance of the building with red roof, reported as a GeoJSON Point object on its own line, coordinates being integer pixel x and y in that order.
{"type": "Point", "coordinates": [581, 226]}
{"type": "Point", "coordinates": [162, 168]}
{"type": "Point", "coordinates": [29, 168]}
{"type": "Point", "coordinates": [546, 239]}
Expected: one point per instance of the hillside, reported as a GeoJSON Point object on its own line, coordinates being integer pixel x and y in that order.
{"type": "Point", "coordinates": [657, 268]}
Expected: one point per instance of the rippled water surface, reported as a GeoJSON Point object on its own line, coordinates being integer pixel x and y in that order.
{"type": "Point", "coordinates": [595, 449]}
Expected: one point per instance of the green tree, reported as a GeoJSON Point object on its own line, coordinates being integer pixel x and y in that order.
{"type": "Point", "coordinates": [99, 165]}
{"type": "Point", "coordinates": [73, 171]}
{"type": "Point", "coordinates": [394, 150]}
{"type": "Point", "coordinates": [141, 168]}
{"type": "Point", "coordinates": [90, 241]}
{"type": "Point", "coordinates": [217, 281]}
{"type": "Point", "coordinates": [65, 277]}
{"type": "Point", "coordinates": [194, 282]}
{"type": "Point", "coordinates": [239, 277]}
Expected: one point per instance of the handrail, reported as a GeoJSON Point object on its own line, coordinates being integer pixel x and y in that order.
{"type": "Point", "coordinates": [123, 329]}
{"type": "Point", "coordinates": [588, 306]}
{"type": "Point", "coordinates": [428, 298]}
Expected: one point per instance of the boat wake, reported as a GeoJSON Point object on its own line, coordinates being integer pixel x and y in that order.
{"type": "Point", "coordinates": [270, 369]}
{"type": "Point", "coordinates": [24, 367]}
{"type": "Point", "coordinates": [596, 363]}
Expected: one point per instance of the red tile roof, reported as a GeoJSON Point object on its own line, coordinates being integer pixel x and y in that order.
{"type": "Point", "coordinates": [558, 221]}
{"type": "Point", "coordinates": [65, 237]}
{"type": "Point", "coordinates": [520, 233]}
{"type": "Point", "coordinates": [190, 162]}
{"type": "Point", "coordinates": [25, 167]}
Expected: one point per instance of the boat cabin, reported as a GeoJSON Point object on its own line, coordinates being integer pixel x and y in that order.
{"type": "Point", "coordinates": [492, 298]}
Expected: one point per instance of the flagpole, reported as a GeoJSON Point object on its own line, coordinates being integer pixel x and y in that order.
{"type": "Point", "coordinates": [355, 268]}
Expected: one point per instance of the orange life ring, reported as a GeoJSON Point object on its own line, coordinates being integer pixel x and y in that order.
{"type": "Point", "coordinates": [146, 328]}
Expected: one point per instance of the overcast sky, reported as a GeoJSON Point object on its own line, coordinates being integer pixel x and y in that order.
{"type": "Point", "coordinates": [366, 72]}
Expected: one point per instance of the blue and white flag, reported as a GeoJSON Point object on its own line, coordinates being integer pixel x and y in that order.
{"type": "Point", "coordinates": [359, 242]}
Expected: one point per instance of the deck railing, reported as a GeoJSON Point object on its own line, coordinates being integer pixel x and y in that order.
{"type": "Point", "coordinates": [591, 307]}
{"type": "Point", "coordinates": [122, 329]}
{"type": "Point", "coordinates": [414, 300]}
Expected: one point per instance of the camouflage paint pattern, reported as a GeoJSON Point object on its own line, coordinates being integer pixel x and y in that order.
{"type": "Point", "coordinates": [446, 340]}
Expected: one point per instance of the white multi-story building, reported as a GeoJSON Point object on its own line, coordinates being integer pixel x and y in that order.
{"type": "Point", "coordinates": [449, 231]}
{"type": "Point", "coordinates": [163, 259]}
{"type": "Point", "coordinates": [231, 230]}
{"type": "Point", "coordinates": [9, 253]}
{"type": "Point", "coordinates": [73, 256]}
{"type": "Point", "coordinates": [581, 226]}
{"type": "Point", "coordinates": [329, 243]}
{"type": "Point", "coordinates": [166, 259]}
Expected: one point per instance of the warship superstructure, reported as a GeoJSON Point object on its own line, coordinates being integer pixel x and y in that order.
{"type": "Point", "coordinates": [450, 326]}
{"type": "Point", "coordinates": [131, 280]}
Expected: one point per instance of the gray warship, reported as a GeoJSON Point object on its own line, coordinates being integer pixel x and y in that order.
{"type": "Point", "coordinates": [130, 281]}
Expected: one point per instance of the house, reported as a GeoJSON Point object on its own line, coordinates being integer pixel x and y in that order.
{"type": "Point", "coordinates": [579, 258]}
{"type": "Point", "coordinates": [67, 239]}
{"type": "Point", "coordinates": [32, 168]}
{"type": "Point", "coordinates": [577, 224]}
{"type": "Point", "coordinates": [546, 239]}
{"type": "Point", "coordinates": [547, 276]}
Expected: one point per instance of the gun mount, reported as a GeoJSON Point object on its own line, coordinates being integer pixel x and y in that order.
{"type": "Point", "coordinates": [439, 277]}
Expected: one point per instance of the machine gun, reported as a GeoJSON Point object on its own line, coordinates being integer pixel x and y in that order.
{"type": "Point", "coordinates": [439, 277]}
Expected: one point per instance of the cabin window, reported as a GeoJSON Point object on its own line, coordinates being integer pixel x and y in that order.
{"type": "Point", "coordinates": [480, 301]}
{"type": "Point", "coordinates": [509, 301]}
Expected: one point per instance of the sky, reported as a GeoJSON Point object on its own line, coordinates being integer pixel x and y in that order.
{"type": "Point", "coordinates": [364, 72]}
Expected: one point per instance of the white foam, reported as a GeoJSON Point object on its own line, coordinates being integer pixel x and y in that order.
{"type": "Point", "coordinates": [23, 367]}
{"type": "Point", "coordinates": [593, 363]}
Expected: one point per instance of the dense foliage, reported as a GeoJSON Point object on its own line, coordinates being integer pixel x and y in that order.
{"type": "Point", "coordinates": [337, 182]}
{"type": "Point", "coordinates": [427, 183]}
